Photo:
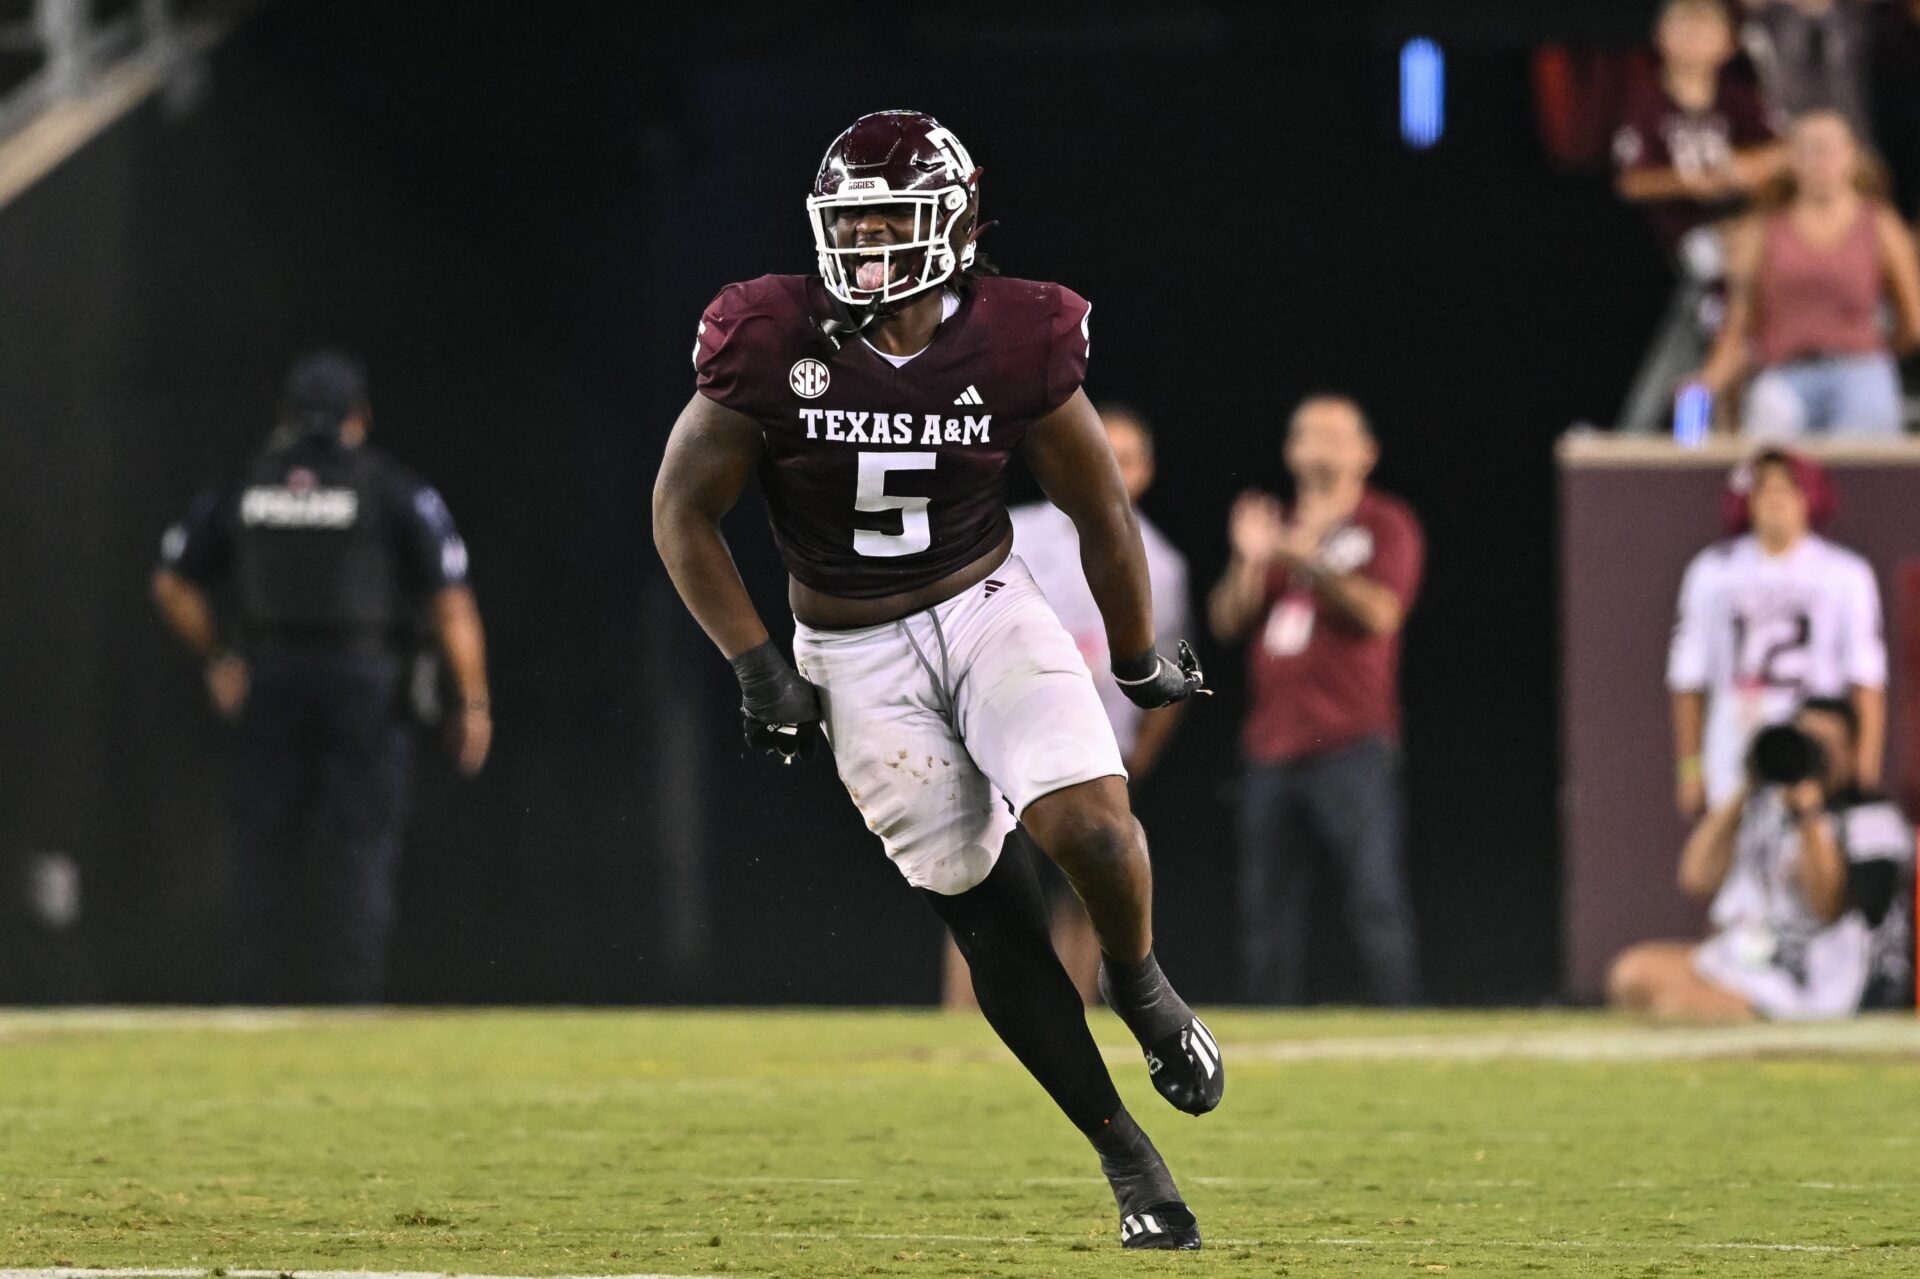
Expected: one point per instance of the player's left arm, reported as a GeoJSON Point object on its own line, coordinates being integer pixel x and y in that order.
{"type": "Point", "coordinates": [1068, 453]}
{"type": "Point", "coordinates": [1157, 727]}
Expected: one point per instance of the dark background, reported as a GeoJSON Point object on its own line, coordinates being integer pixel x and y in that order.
{"type": "Point", "coordinates": [517, 215]}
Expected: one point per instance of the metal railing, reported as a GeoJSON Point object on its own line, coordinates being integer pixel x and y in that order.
{"type": "Point", "coordinates": [60, 48]}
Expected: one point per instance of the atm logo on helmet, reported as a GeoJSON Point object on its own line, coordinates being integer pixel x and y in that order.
{"type": "Point", "coordinates": [953, 157]}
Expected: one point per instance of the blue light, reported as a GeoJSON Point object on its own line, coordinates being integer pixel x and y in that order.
{"type": "Point", "coordinates": [1423, 93]}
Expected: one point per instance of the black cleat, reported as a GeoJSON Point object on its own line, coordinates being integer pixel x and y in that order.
{"type": "Point", "coordinates": [1187, 1068]}
{"type": "Point", "coordinates": [1166, 1227]}
{"type": "Point", "coordinates": [1182, 1055]}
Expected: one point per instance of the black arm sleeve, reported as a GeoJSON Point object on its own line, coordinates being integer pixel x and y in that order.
{"type": "Point", "coordinates": [432, 554]}
{"type": "Point", "coordinates": [200, 547]}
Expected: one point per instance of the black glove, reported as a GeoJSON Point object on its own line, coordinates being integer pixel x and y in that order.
{"type": "Point", "coordinates": [1151, 681]}
{"type": "Point", "coordinates": [780, 711]}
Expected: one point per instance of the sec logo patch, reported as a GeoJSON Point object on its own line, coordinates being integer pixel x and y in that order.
{"type": "Point", "coordinates": [808, 379]}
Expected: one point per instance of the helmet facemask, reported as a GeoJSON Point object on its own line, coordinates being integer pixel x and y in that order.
{"type": "Point", "coordinates": [896, 271]}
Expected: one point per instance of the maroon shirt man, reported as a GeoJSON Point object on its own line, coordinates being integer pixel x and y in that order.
{"type": "Point", "coordinates": [1320, 591]}
{"type": "Point", "coordinates": [1320, 679]}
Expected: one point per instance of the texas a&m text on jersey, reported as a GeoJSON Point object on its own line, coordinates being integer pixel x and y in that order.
{"type": "Point", "coordinates": [882, 479]}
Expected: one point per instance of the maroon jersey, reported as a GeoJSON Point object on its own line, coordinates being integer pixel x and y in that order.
{"type": "Point", "coordinates": [1658, 133]}
{"type": "Point", "coordinates": [1318, 680]}
{"type": "Point", "coordinates": [882, 479]}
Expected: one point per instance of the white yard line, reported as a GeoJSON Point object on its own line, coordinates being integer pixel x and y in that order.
{"type": "Point", "coordinates": [32, 1020]}
{"type": "Point", "coordinates": [1667, 1247]}
{"type": "Point", "coordinates": [1601, 1041]}
{"type": "Point", "coordinates": [137, 1272]}
{"type": "Point", "coordinates": [1592, 1245]}
{"type": "Point", "coordinates": [1625, 1043]}
{"type": "Point", "coordinates": [794, 1181]}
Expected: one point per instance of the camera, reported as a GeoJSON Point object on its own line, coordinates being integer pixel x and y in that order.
{"type": "Point", "coordinates": [1784, 756]}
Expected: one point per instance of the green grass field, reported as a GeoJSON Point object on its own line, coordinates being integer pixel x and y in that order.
{"type": "Point", "coordinates": [826, 1144]}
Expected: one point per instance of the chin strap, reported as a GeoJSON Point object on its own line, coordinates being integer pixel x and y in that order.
{"type": "Point", "coordinates": [842, 321]}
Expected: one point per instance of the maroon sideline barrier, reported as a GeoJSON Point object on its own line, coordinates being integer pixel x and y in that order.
{"type": "Point", "coordinates": [1633, 512]}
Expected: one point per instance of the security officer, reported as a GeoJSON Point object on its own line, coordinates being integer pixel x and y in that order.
{"type": "Point", "coordinates": [331, 550]}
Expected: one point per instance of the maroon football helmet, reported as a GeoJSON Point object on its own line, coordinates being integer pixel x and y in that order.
{"type": "Point", "coordinates": [898, 158]}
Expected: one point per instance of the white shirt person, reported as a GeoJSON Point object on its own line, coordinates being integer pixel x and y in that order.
{"type": "Point", "coordinates": [1767, 620]}
{"type": "Point", "coordinates": [1043, 537]}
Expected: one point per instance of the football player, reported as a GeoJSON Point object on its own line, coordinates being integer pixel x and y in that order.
{"type": "Point", "coordinates": [880, 402]}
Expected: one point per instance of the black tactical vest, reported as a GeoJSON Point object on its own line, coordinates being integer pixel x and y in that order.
{"type": "Point", "coordinates": [312, 548]}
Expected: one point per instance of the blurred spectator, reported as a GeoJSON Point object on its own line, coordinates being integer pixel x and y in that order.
{"type": "Point", "coordinates": [1809, 276]}
{"type": "Point", "coordinates": [325, 541]}
{"type": "Point", "coordinates": [1693, 141]}
{"type": "Point", "coordinates": [1325, 587]}
{"type": "Point", "coordinates": [1044, 538]}
{"type": "Point", "coordinates": [1810, 877]}
{"type": "Point", "coordinates": [1813, 55]}
{"type": "Point", "coordinates": [1768, 618]}
{"type": "Point", "coordinates": [1692, 145]}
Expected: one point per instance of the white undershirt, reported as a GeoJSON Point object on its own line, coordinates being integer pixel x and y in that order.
{"type": "Point", "coordinates": [949, 303]}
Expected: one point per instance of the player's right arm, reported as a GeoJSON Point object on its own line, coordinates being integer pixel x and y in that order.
{"type": "Point", "coordinates": [712, 451]}
{"type": "Point", "coordinates": [710, 456]}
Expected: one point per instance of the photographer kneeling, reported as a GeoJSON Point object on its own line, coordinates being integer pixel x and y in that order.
{"type": "Point", "coordinates": [1810, 880]}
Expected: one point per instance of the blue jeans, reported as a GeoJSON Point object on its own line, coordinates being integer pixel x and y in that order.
{"type": "Point", "coordinates": [1850, 395]}
{"type": "Point", "coordinates": [1348, 800]}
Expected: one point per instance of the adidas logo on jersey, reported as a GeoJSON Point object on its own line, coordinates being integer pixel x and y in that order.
{"type": "Point", "coordinates": [969, 396]}
{"type": "Point", "coordinates": [992, 585]}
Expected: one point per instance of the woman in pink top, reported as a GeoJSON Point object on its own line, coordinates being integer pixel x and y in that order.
{"type": "Point", "coordinates": [1810, 274]}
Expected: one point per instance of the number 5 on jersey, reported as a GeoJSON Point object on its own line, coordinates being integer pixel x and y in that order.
{"type": "Point", "coordinates": [870, 495]}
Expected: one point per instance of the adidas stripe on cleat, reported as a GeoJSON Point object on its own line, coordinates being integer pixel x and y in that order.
{"type": "Point", "coordinates": [1168, 1227]}
{"type": "Point", "coordinates": [1187, 1068]}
